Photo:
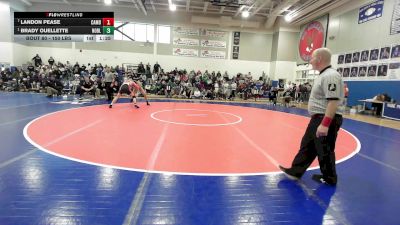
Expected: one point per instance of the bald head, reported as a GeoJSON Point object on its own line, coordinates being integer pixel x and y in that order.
{"type": "Point", "coordinates": [321, 58]}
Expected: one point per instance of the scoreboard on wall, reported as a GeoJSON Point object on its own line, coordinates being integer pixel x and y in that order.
{"type": "Point", "coordinates": [63, 26]}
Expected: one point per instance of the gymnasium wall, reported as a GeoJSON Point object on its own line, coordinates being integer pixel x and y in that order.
{"type": "Point", "coordinates": [368, 89]}
{"type": "Point", "coordinates": [255, 47]}
{"type": "Point", "coordinates": [346, 35]}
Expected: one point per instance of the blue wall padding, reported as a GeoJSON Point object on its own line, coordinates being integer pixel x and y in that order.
{"type": "Point", "coordinates": [368, 89]}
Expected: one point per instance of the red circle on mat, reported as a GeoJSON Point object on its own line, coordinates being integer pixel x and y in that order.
{"type": "Point", "coordinates": [172, 137]}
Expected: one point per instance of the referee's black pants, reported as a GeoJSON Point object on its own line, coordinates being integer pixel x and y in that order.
{"type": "Point", "coordinates": [109, 91]}
{"type": "Point", "coordinates": [323, 148]}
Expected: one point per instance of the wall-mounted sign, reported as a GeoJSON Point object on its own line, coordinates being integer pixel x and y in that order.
{"type": "Point", "coordinates": [186, 31]}
{"type": "Point", "coordinates": [395, 24]}
{"type": "Point", "coordinates": [185, 41]}
{"type": "Point", "coordinates": [212, 54]}
{"type": "Point", "coordinates": [311, 38]}
{"type": "Point", "coordinates": [212, 33]}
{"type": "Point", "coordinates": [213, 44]}
{"type": "Point", "coordinates": [236, 38]}
{"type": "Point", "coordinates": [371, 11]}
{"type": "Point", "coordinates": [185, 52]}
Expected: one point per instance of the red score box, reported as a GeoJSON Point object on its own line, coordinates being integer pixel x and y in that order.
{"type": "Point", "coordinates": [108, 21]}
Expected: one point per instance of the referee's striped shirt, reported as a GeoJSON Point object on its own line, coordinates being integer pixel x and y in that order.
{"type": "Point", "coordinates": [327, 86]}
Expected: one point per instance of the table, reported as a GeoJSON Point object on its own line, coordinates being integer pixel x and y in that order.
{"type": "Point", "coordinates": [369, 101]}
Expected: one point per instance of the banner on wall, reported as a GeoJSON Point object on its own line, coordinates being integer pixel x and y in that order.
{"type": "Point", "coordinates": [371, 11]}
{"type": "Point", "coordinates": [236, 38]}
{"type": "Point", "coordinates": [395, 23]}
{"type": "Point", "coordinates": [185, 41]}
{"type": "Point", "coordinates": [311, 38]}
{"type": "Point", "coordinates": [394, 71]}
{"type": "Point", "coordinates": [185, 52]}
{"type": "Point", "coordinates": [370, 72]}
{"type": "Point", "coordinates": [213, 44]}
{"type": "Point", "coordinates": [378, 63]}
{"type": "Point", "coordinates": [235, 47]}
{"type": "Point", "coordinates": [212, 54]}
{"type": "Point", "coordinates": [186, 31]}
{"type": "Point", "coordinates": [212, 33]}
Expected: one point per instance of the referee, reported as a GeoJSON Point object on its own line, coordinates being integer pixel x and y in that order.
{"type": "Point", "coordinates": [320, 136]}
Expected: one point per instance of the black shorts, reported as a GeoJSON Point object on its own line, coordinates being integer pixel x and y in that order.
{"type": "Point", "coordinates": [124, 89]}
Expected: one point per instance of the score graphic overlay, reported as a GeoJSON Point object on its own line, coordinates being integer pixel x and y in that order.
{"type": "Point", "coordinates": [63, 26]}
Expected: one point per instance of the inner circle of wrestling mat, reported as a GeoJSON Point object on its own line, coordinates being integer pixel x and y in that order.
{"type": "Point", "coordinates": [181, 138]}
{"type": "Point", "coordinates": [204, 117]}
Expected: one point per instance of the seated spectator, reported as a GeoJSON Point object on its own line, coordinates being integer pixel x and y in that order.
{"type": "Point", "coordinates": [196, 93]}
{"type": "Point", "coordinates": [168, 89]}
{"type": "Point", "coordinates": [141, 69]}
{"type": "Point", "coordinates": [378, 106]}
{"type": "Point", "coordinates": [233, 87]}
{"type": "Point", "coordinates": [87, 86]}
{"type": "Point", "coordinates": [51, 61]}
{"type": "Point", "coordinates": [25, 83]}
{"type": "Point", "coordinates": [17, 76]}
{"type": "Point", "coordinates": [30, 68]}
{"type": "Point", "coordinates": [53, 86]}
{"type": "Point", "coordinates": [156, 68]}
{"type": "Point", "coordinates": [286, 97]}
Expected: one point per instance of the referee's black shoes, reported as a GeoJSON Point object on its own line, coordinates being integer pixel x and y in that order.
{"type": "Point", "coordinates": [320, 179]}
{"type": "Point", "coordinates": [289, 173]}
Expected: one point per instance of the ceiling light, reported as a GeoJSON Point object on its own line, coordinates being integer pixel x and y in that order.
{"type": "Point", "coordinates": [107, 2]}
{"type": "Point", "coordinates": [288, 17]}
{"type": "Point", "coordinates": [245, 14]}
{"type": "Point", "coordinates": [172, 7]}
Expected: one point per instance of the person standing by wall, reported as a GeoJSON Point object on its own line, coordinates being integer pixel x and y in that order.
{"type": "Point", "coordinates": [108, 79]}
{"type": "Point", "coordinates": [320, 136]}
{"type": "Point", "coordinates": [346, 95]}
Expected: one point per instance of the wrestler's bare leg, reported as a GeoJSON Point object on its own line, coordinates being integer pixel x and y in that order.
{"type": "Point", "coordinates": [114, 100]}
{"type": "Point", "coordinates": [133, 99]}
{"type": "Point", "coordinates": [144, 95]}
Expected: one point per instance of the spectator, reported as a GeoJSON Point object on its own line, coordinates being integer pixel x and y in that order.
{"type": "Point", "coordinates": [156, 68]}
{"type": "Point", "coordinates": [30, 68]}
{"type": "Point", "coordinates": [53, 86]}
{"type": "Point", "coordinates": [87, 86]}
{"type": "Point", "coordinates": [108, 79]}
{"type": "Point", "coordinates": [37, 60]}
{"type": "Point", "coordinates": [51, 61]}
{"type": "Point", "coordinates": [379, 106]}
{"type": "Point", "coordinates": [140, 69]}
{"type": "Point", "coordinates": [273, 93]}
{"type": "Point", "coordinates": [346, 95]}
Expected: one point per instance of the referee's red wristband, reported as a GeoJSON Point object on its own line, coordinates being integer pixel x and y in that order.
{"type": "Point", "coordinates": [326, 121]}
